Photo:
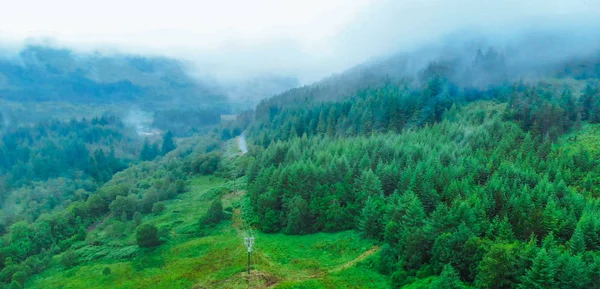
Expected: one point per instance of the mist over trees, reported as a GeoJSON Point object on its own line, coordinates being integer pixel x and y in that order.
{"type": "Point", "coordinates": [40, 73]}
{"type": "Point", "coordinates": [454, 169]}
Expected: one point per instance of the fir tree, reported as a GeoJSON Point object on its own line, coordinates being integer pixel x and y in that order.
{"type": "Point", "coordinates": [541, 274]}
{"type": "Point", "coordinates": [168, 143]}
{"type": "Point", "coordinates": [447, 280]}
{"type": "Point", "coordinates": [577, 242]}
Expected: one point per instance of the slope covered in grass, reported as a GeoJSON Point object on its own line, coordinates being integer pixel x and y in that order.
{"type": "Point", "coordinates": [194, 257]}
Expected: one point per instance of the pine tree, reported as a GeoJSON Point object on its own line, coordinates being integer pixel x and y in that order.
{"type": "Point", "coordinates": [154, 150]}
{"type": "Point", "coordinates": [447, 280]}
{"type": "Point", "coordinates": [298, 216]}
{"type": "Point", "coordinates": [322, 124]}
{"type": "Point", "coordinates": [331, 123]}
{"type": "Point", "coordinates": [15, 285]}
{"type": "Point", "coordinates": [497, 268]}
{"type": "Point", "coordinates": [577, 242]}
{"type": "Point", "coordinates": [574, 273]}
{"type": "Point", "coordinates": [370, 223]}
{"type": "Point", "coordinates": [541, 274]}
{"type": "Point", "coordinates": [505, 231]}
{"type": "Point", "coordinates": [147, 153]}
{"type": "Point", "coordinates": [215, 214]}
{"type": "Point", "coordinates": [168, 143]}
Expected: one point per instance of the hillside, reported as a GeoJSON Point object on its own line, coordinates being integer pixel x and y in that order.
{"type": "Point", "coordinates": [463, 183]}
{"type": "Point", "coordinates": [216, 257]}
{"type": "Point", "coordinates": [465, 171]}
{"type": "Point", "coordinates": [42, 74]}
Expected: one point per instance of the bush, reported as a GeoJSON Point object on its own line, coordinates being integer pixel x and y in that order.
{"type": "Point", "coordinates": [15, 285]}
{"type": "Point", "coordinates": [214, 214]}
{"type": "Point", "coordinates": [158, 208]}
{"type": "Point", "coordinates": [68, 259]}
{"type": "Point", "coordinates": [147, 236]}
{"type": "Point", "coordinates": [106, 271]}
{"type": "Point", "coordinates": [19, 277]}
{"type": "Point", "coordinates": [137, 218]}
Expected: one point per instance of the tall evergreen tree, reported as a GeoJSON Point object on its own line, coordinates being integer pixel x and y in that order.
{"type": "Point", "coordinates": [541, 274]}
{"type": "Point", "coordinates": [577, 242]}
{"type": "Point", "coordinates": [447, 280]}
{"type": "Point", "coordinates": [370, 222]}
{"type": "Point", "coordinates": [168, 143]}
{"type": "Point", "coordinates": [147, 153]}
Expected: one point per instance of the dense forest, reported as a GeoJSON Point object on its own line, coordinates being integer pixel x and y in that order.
{"type": "Point", "coordinates": [462, 182]}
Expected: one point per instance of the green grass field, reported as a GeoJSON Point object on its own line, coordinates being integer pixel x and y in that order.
{"type": "Point", "coordinates": [216, 257]}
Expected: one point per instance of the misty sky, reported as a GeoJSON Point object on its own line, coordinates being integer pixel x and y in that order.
{"type": "Point", "coordinates": [307, 38]}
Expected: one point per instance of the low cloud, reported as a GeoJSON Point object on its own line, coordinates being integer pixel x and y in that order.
{"type": "Point", "coordinates": [277, 40]}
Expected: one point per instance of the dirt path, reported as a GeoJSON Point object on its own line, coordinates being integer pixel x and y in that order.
{"type": "Point", "coordinates": [358, 259]}
{"type": "Point", "coordinates": [340, 268]}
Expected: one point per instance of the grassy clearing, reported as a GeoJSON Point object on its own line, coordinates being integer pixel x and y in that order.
{"type": "Point", "coordinates": [588, 137]}
{"type": "Point", "coordinates": [216, 258]}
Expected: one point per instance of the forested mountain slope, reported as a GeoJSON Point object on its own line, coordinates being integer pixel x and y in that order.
{"type": "Point", "coordinates": [464, 183]}
{"type": "Point", "coordinates": [42, 73]}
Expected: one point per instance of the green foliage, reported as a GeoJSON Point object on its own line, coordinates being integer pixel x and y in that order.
{"type": "Point", "coordinates": [577, 242]}
{"type": "Point", "coordinates": [158, 208]}
{"type": "Point", "coordinates": [469, 190]}
{"type": "Point", "coordinates": [184, 122]}
{"type": "Point", "coordinates": [106, 271]}
{"type": "Point", "coordinates": [215, 214]}
{"type": "Point", "coordinates": [206, 164]}
{"type": "Point", "coordinates": [541, 274]}
{"type": "Point", "coordinates": [68, 258]}
{"type": "Point", "coordinates": [137, 218]}
{"type": "Point", "coordinates": [449, 279]}
{"type": "Point", "coordinates": [146, 236]}
{"type": "Point", "coordinates": [207, 262]}
{"type": "Point", "coordinates": [15, 285]}
{"type": "Point", "coordinates": [498, 267]}
{"type": "Point", "coordinates": [20, 277]}
{"type": "Point", "coordinates": [370, 223]}
{"type": "Point", "coordinates": [168, 143]}
{"type": "Point", "coordinates": [149, 152]}
{"type": "Point", "coordinates": [494, 194]}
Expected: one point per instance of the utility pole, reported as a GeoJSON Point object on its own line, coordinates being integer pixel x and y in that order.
{"type": "Point", "coordinates": [249, 241]}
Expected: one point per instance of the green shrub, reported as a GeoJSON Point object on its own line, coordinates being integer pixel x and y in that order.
{"type": "Point", "coordinates": [19, 277]}
{"type": "Point", "coordinates": [147, 236]}
{"type": "Point", "coordinates": [68, 258]}
{"type": "Point", "coordinates": [137, 218]}
{"type": "Point", "coordinates": [15, 285]}
{"type": "Point", "coordinates": [214, 214]}
{"type": "Point", "coordinates": [158, 208]}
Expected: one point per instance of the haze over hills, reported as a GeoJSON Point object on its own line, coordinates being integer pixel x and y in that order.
{"type": "Point", "coordinates": [366, 145]}
{"type": "Point", "coordinates": [40, 73]}
{"type": "Point", "coordinates": [44, 73]}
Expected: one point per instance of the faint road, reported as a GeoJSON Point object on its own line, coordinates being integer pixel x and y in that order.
{"type": "Point", "coordinates": [242, 143]}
